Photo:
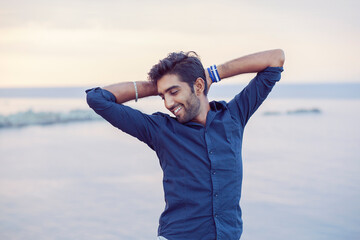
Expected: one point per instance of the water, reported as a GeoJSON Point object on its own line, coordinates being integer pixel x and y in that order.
{"type": "Point", "coordinates": [88, 180]}
{"type": "Point", "coordinates": [301, 173]}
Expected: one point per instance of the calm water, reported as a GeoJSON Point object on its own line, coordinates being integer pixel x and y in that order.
{"type": "Point", "coordinates": [88, 180]}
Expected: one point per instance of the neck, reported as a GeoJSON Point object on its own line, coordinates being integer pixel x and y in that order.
{"type": "Point", "coordinates": [203, 111]}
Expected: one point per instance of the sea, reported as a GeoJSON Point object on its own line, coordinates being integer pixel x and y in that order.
{"type": "Point", "coordinates": [67, 174]}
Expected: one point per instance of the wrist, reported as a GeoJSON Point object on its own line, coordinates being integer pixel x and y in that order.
{"type": "Point", "coordinates": [208, 79]}
{"type": "Point", "coordinates": [151, 88]}
{"type": "Point", "coordinates": [213, 73]}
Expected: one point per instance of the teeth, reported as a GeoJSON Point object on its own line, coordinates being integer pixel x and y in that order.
{"type": "Point", "coordinates": [176, 110]}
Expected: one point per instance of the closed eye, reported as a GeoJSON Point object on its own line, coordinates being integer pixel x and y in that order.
{"type": "Point", "coordinates": [174, 92]}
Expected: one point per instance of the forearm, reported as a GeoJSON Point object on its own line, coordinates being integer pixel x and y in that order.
{"type": "Point", "coordinates": [126, 91]}
{"type": "Point", "coordinates": [250, 63]}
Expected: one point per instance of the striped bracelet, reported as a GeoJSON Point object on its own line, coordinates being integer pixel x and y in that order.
{"type": "Point", "coordinates": [213, 73]}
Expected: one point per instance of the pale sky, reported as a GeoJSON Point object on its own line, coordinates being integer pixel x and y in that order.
{"type": "Point", "coordinates": [87, 42]}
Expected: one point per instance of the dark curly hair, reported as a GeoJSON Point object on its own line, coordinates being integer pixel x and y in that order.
{"type": "Point", "coordinates": [185, 65]}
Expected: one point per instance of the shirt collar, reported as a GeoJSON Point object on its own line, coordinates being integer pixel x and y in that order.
{"type": "Point", "coordinates": [217, 106]}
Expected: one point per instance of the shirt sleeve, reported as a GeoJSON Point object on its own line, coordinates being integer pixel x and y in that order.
{"type": "Point", "coordinates": [244, 104]}
{"type": "Point", "coordinates": [129, 120]}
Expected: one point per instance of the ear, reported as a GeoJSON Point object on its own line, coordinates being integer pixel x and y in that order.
{"type": "Point", "coordinates": [199, 86]}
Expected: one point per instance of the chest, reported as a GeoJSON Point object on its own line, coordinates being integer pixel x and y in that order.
{"type": "Point", "coordinates": [201, 148]}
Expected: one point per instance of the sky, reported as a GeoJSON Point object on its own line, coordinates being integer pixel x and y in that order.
{"type": "Point", "coordinates": [87, 43]}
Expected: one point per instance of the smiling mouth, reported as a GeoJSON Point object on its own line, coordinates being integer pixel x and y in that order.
{"type": "Point", "coordinates": [177, 109]}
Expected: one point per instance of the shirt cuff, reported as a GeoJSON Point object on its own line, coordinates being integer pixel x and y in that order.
{"type": "Point", "coordinates": [98, 98]}
{"type": "Point", "coordinates": [272, 74]}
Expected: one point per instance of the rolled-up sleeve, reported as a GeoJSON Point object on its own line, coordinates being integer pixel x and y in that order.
{"type": "Point", "coordinates": [142, 126]}
{"type": "Point", "coordinates": [244, 104]}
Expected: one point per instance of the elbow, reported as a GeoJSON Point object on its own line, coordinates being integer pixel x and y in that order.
{"type": "Point", "coordinates": [278, 58]}
{"type": "Point", "coordinates": [91, 98]}
{"type": "Point", "coordinates": [281, 57]}
{"type": "Point", "coordinates": [97, 100]}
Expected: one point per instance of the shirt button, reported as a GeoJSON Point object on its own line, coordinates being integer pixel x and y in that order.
{"type": "Point", "coordinates": [214, 173]}
{"type": "Point", "coordinates": [216, 215]}
{"type": "Point", "coordinates": [216, 195]}
{"type": "Point", "coordinates": [211, 152]}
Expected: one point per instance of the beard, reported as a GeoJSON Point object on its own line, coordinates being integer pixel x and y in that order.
{"type": "Point", "coordinates": [191, 109]}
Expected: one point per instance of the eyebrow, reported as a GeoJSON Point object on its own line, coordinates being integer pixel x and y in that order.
{"type": "Point", "coordinates": [170, 88]}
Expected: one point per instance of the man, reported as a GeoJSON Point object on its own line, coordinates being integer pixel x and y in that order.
{"type": "Point", "coordinates": [200, 148]}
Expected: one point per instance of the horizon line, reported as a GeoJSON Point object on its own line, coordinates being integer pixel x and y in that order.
{"type": "Point", "coordinates": [223, 84]}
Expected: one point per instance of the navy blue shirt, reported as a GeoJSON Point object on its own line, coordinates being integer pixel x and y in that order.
{"type": "Point", "coordinates": [202, 165]}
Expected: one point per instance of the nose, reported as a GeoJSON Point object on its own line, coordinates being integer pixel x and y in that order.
{"type": "Point", "coordinates": [169, 102]}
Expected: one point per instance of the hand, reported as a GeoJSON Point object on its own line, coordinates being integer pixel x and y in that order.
{"type": "Point", "coordinates": [208, 80]}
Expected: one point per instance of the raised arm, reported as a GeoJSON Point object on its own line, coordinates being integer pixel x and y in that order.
{"type": "Point", "coordinates": [125, 91]}
{"type": "Point", "coordinates": [250, 64]}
